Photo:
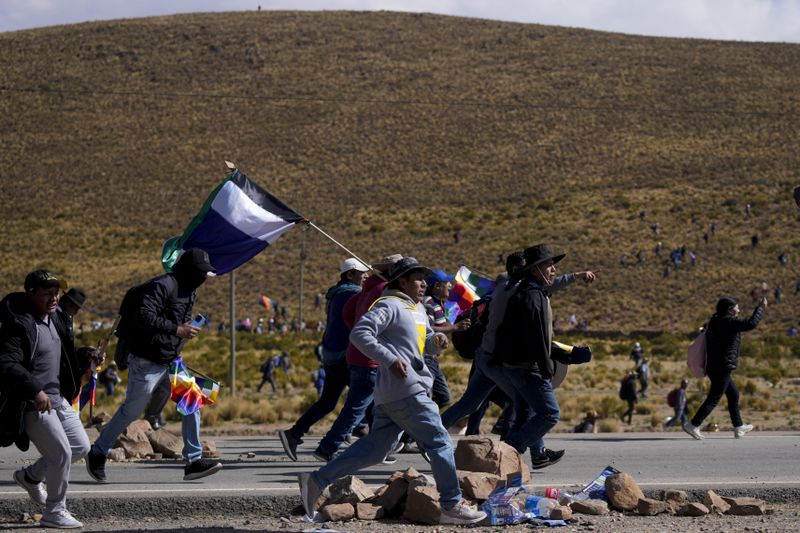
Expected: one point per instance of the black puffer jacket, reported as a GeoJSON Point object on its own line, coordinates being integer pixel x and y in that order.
{"type": "Point", "coordinates": [723, 336]}
{"type": "Point", "coordinates": [164, 303]}
{"type": "Point", "coordinates": [18, 340]}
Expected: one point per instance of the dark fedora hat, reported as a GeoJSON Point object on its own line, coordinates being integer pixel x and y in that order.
{"type": "Point", "coordinates": [538, 254]}
{"type": "Point", "coordinates": [406, 265]}
{"type": "Point", "coordinates": [76, 296]}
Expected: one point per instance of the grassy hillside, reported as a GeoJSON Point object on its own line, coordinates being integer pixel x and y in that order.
{"type": "Point", "coordinates": [392, 131]}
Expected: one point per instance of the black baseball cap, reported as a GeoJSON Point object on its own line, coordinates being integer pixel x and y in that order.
{"type": "Point", "coordinates": [44, 279]}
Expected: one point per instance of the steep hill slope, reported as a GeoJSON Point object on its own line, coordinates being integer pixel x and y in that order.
{"type": "Point", "coordinates": [393, 131]}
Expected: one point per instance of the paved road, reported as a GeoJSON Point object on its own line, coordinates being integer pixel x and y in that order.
{"type": "Point", "coordinates": [759, 462]}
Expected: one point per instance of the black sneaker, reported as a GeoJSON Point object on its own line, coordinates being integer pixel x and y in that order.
{"type": "Point", "coordinates": [96, 466]}
{"type": "Point", "coordinates": [290, 443]}
{"type": "Point", "coordinates": [549, 457]}
{"type": "Point", "coordinates": [200, 468]}
{"type": "Point", "coordinates": [360, 431]}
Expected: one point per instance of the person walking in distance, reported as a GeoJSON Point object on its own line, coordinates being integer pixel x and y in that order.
{"type": "Point", "coordinates": [723, 336]}
{"type": "Point", "coordinates": [678, 401]}
{"type": "Point", "coordinates": [159, 326]}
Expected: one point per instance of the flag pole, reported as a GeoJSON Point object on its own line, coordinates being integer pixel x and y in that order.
{"type": "Point", "coordinates": [233, 333]}
{"type": "Point", "coordinates": [303, 256]}
{"type": "Point", "coordinates": [337, 243]}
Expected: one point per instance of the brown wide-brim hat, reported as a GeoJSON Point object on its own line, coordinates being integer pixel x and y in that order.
{"type": "Point", "coordinates": [386, 263]}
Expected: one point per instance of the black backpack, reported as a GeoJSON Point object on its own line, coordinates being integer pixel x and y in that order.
{"type": "Point", "coordinates": [468, 341]}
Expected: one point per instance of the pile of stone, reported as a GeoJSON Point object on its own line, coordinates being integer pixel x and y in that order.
{"type": "Point", "coordinates": [482, 464]}
{"type": "Point", "coordinates": [140, 441]}
{"type": "Point", "coordinates": [625, 495]}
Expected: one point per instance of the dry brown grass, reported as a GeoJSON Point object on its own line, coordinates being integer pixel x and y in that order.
{"type": "Point", "coordinates": [392, 130]}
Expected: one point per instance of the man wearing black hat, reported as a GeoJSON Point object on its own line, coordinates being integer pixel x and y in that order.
{"type": "Point", "coordinates": [155, 337]}
{"type": "Point", "coordinates": [40, 374]}
{"type": "Point", "coordinates": [523, 345]}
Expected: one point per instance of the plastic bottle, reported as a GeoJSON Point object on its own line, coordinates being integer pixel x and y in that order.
{"type": "Point", "coordinates": [540, 506]}
{"type": "Point", "coordinates": [565, 498]}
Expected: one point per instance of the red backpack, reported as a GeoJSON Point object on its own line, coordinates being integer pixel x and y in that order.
{"type": "Point", "coordinates": [672, 398]}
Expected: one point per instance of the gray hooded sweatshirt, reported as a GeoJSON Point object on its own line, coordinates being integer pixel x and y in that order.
{"type": "Point", "coordinates": [396, 328]}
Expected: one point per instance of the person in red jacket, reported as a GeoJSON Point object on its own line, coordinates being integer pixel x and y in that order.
{"type": "Point", "coordinates": [363, 370]}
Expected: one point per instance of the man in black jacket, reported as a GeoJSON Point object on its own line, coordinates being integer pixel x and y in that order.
{"type": "Point", "coordinates": [39, 376]}
{"type": "Point", "coordinates": [723, 335]}
{"type": "Point", "coordinates": [155, 336]}
{"type": "Point", "coordinates": [523, 344]}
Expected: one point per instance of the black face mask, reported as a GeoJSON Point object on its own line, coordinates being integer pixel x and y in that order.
{"type": "Point", "coordinates": [192, 280]}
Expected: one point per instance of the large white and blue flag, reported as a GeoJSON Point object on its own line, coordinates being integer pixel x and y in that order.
{"type": "Point", "coordinates": [238, 220]}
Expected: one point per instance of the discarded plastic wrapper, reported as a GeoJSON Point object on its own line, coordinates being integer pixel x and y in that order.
{"type": "Point", "coordinates": [499, 507]}
{"type": "Point", "coordinates": [547, 522]}
{"type": "Point", "coordinates": [596, 490]}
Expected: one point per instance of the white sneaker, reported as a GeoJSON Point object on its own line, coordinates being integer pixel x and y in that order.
{"type": "Point", "coordinates": [309, 493]}
{"type": "Point", "coordinates": [693, 431]}
{"type": "Point", "coordinates": [60, 519]}
{"type": "Point", "coordinates": [35, 490]}
{"type": "Point", "coordinates": [461, 514]}
{"type": "Point", "coordinates": [738, 432]}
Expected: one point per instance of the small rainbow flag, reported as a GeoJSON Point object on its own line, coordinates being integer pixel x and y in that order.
{"type": "Point", "coordinates": [468, 287]}
{"type": "Point", "coordinates": [88, 392]}
{"type": "Point", "coordinates": [265, 302]}
{"type": "Point", "coordinates": [188, 392]}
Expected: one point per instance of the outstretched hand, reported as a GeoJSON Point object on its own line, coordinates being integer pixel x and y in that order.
{"type": "Point", "coordinates": [588, 276]}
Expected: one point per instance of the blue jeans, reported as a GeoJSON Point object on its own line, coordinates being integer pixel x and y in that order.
{"type": "Point", "coordinates": [418, 415]}
{"type": "Point", "coordinates": [143, 377]}
{"type": "Point", "coordinates": [336, 378]}
{"type": "Point", "coordinates": [362, 383]}
{"type": "Point", "coordinates": [479, 388]}
{"type": "Point", "coordinates": [539, 395]}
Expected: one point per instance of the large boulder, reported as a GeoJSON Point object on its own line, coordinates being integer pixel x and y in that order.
{"type": "Point", "coordinates": [477, 485]}
{"type": "Point", "coordinates": [745, 506]}
{"type": "Point", "coordinates": [166, 443]}
{"type": "Point", "coordinates": [715, 503]}
{"type": "Point", "coordinates": [423, 505]}
{"type": "Point", "coordinates": [349, 489]}
{"type": "Point", "coordinates": [623, 492]}
{"type": "Point", "coordinates": [593, 507]}
{"type": "Point", "coordinates": [483, 454]}
{"type": "Point", "coordinates": [134, 440]}
{"type": "Point", "coordinates": [338, 512]}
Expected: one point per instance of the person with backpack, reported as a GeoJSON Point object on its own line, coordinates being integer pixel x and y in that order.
{"type": "Point", "coordinates": [334, 348]}
{"type": "Point", "coordinates": [40, 373]}
{"type": "Point", "coordinates": [723, 336]}
{"type": "Point", "coordinates": [156, 323]}
{"type": "Point", "coordinates": [677, 400]}
{"type": "Point", "coordinates": [627, 392]}
{"type": "Point", "coordinates": [267, 368]}
{"type": "Point", "coordinates": [643, 373]}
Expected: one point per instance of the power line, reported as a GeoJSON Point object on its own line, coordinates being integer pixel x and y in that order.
{"type": "Point", "coordinates": [405, 102]}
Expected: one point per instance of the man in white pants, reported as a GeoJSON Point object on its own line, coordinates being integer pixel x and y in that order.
{"type": "Point", "coordinates": [39, 376]}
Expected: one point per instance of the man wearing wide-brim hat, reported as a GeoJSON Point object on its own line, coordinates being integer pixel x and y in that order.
{"type": "Point", "coordinates": [523, 346]}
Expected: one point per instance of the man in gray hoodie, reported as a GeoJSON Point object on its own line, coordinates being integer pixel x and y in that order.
{"type": "Point", "coordinates": [396, 333]}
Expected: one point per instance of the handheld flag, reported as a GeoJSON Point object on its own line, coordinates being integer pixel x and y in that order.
{"type": "Point", "coordinates": [188, 392]}
{"type": "Point", "coordinates": [468, 287]}
{"type": "Point", "coordinates": [265, 302]}
{"type": "Point", "coordinates": [238, 221]}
